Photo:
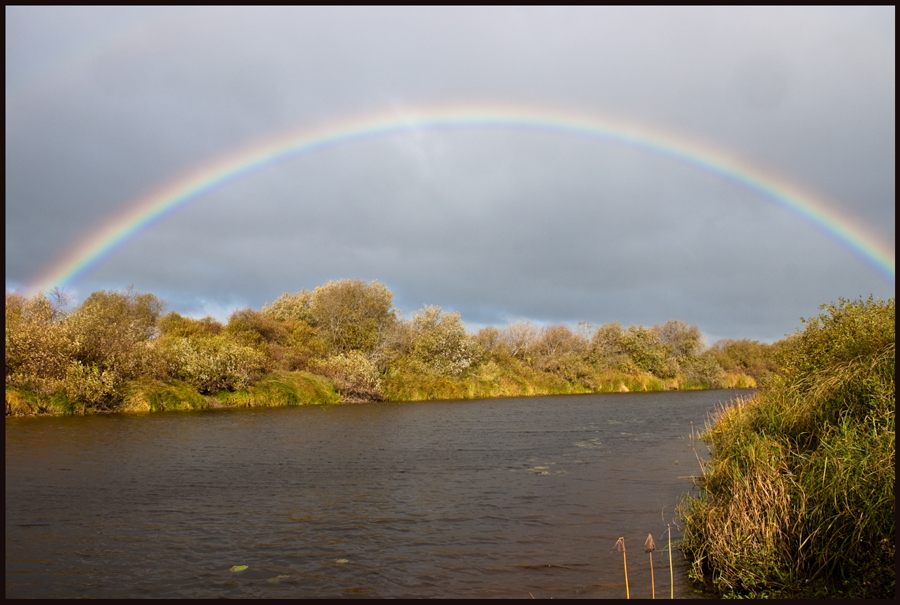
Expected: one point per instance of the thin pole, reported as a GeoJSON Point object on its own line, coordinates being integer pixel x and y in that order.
{"type": "Point", "coordinates": [671, 575]}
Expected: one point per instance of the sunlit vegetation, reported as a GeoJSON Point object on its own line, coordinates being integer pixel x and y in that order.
{"type": "Point", "coordinates": [798, 499]}
{"type": "Point", "coordinates": [343, 341]}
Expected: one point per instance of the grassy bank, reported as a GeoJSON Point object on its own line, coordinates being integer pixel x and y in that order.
{"type": "Point", "coordinates": [512, 379]}
{"type": "Point", "coordinates": [798, 499]}
{"type": "Point", "coordinates": [281, 388]}
{"type": "Point", "coordinates": [277, 389]}
{"type": "Point", "coordinates": [304, 388]}
{"type": "Point", "coordinates": [116, 352]}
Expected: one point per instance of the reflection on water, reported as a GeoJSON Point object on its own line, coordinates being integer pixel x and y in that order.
{"type": "Point", "coordinates": [490, 498]}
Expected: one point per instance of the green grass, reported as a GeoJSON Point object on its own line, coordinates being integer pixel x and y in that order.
{"type": "Point", "coordinates": [280, 389]}
{"type": "Point", "coordinates": [156, 396]}
{"type": "Point", "coordinates": [277, 389]}
{"type": "Point", "coordinates": [22, 402]}
{"type": "Point", "coordinates": [512, 377]}
{"type": "Point", "coordinates": [798, 499]}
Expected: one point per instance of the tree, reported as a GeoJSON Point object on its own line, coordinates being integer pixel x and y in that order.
{"type": "Point", "coordinates": [682, 341]}
{"type": "Point", "coordinates": [290, 306]}
{"type": "Point", "coordinates": [110, 329]}
{"type": "Point", "coordinates": [110, 334]}
{"type": "Point", "coordinates": [288, 343]}
{"type": "Point", "coordinates": [746, 356]}
{"type": "Point", "coordinates": [608, 344]}
{"type": "Point", "coordinates": [519, 337]}
{"type": "Point", "coordinates": [441, 345]}
{"type": "Point", "coordinates": [256, 329]}
{"type": "Point", "coordinates": [174, 324]}
{"type": "Point", "coordinates": [490, 340]}
{"type": "Point", "coordinates": [350, 314]}
{"type": "Point", "coordinates": [38, 347]}
{"type": "Point", "coordinates": [557, 340]}
{"type": "Point", "coordinates": [648, 354]}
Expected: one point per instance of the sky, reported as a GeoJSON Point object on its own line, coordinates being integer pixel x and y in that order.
{"type": "Point", "coordinates": [499, 219]}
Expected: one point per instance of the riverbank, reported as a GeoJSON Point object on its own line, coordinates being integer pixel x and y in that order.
{"type": "Point", "coordinates": [305, 388]}
{"type": "Point", "coordinates": [798, 498]}
{"type": "Point", "coordinates": [279, 389]}
{"type": "Point", "coordinates": [343, 341]}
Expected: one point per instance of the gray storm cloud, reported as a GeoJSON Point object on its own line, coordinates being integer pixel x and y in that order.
{"type": "Point", "coordinates": [103, 105]}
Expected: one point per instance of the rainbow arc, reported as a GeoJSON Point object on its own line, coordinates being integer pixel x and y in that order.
{"type": "Point", "coordinates": [148, 210]}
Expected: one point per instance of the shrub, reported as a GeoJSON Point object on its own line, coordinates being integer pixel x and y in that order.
{"type": "Point", "coordinates": [110, 330]}
{"type": "Point", "coordinates": [175, 325]}
{"type": "Point", "coordinates": [354, 376]}
{"type": "Point", "coordinates": [350, 314]}
{"type": "Point", "coordinates": [38, 344]}
{"type": "Point", "coordinates": [212, 364]}
{"type": "Point", "coordinates": [91, 386]}
{"type": "Point", "coordinates": [746, 357]}
{"type": "Point", "coordinates": [440, 344]}
{"type": "Point", "coordinates": [290, 307]}
{"type": "Point", "coordinates": [801, 484]}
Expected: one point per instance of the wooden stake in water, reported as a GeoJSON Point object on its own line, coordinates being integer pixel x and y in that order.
{"type": "Point", "coordinates": [671, 575]}
{"type": "Point", "coordinates": [620, 545]}
{"type": "Point", "coordinates": [649, 547]}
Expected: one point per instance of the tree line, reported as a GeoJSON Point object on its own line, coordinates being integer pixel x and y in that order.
{"type": "Point", "coordinates": [348, 333]}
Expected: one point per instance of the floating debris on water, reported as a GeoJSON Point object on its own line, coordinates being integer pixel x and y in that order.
{"type": "Point", "coordinates": [277, 579]}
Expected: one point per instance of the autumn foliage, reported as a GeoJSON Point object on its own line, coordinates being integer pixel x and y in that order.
{"type": "Point", "coordinates": [96, 356]}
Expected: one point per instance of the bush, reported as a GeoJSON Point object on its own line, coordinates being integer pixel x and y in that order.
{"type": "Point", "coordinates": [746, 356]}
{"type": "Point", "coordinates": [350, 314]}
{"type": "Point", "coordinates": [91, 386]}
{"type": "Point", "coordinates": [212, 364]}
{"type": "Point", "coordinates": [38, 345]}
{"type": "Point", "coordinates": [174, 324]}
{"type": "Point", "coordinates": [110, 330]}
{"type": "Point", "coordinates": [801, 484]}
{"type": "Point", "coordinates": [354, 376]}
{"type": "Point", "coordinates": [440, 344]}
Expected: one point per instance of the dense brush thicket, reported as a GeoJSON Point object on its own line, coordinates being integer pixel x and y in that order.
{"type": "Point", "coordinates": [117, 351]}
{"type": "Point", "coordinates": [799, 496]}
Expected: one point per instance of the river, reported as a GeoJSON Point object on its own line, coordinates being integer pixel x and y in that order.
{"type": "Point", "coordinates": [486, 498]}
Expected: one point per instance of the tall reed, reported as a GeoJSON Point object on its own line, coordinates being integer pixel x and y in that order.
{"type": "Point", "coordinates": [798, 498]}
{"type": "Point", "coordinates": [620, 546]}
{"type": "Point", "coordinates": [649, 547]}
{"type": "Point", "coordinates": [671, 572]}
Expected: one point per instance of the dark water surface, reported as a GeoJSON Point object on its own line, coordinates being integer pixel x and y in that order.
{"type": "Point", "coordinates": [488, 498]}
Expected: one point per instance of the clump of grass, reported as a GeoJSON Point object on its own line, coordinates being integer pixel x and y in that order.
{"type": "Point", "coordinates": [798, 498]}
{"type": "Point", "coordinates": [738, 380]}
{"type": "Point", "coordinates": [157, 396]}
{"type": "Point", "coordinates": [22, 402]}
{"type": "Point", "coordinates": [281, 389]}
{"type": "Point", "coordinates": [513, 378]}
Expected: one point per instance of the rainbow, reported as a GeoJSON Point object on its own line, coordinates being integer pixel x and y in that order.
{"type": "Point", "coordinates": [191, 186]}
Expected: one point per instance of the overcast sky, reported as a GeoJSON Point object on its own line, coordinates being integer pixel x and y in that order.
{"type": "Point", "coordinates": [105, 104]}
